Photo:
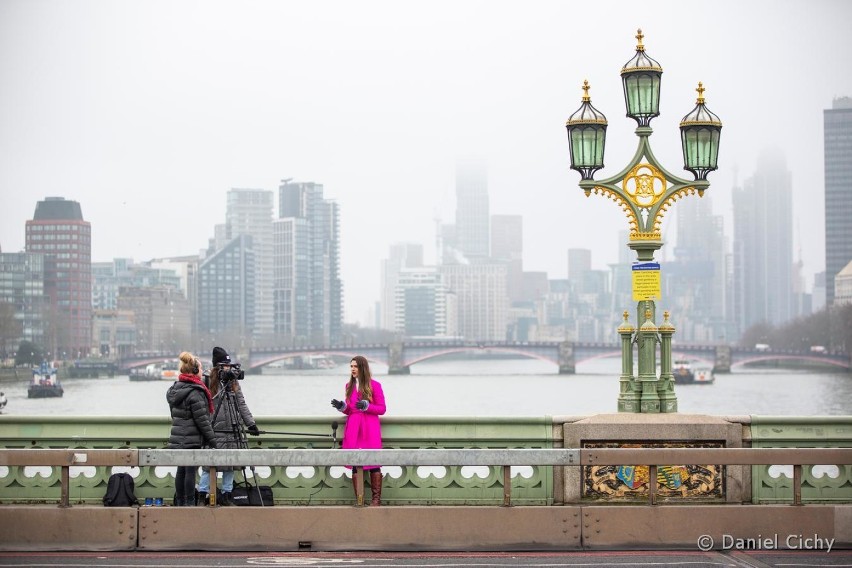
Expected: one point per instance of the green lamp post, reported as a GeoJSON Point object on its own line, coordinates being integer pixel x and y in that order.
{"type": "Point", "coordinates": [644, 190]}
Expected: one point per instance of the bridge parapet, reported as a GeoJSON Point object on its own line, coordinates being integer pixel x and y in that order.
{"type": "Point", "coordinates": [445, 483]}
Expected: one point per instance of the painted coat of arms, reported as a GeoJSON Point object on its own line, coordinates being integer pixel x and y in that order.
{"type": "Point", "coordinates": [628, 482]}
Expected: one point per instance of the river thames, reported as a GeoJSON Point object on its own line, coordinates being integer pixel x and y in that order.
{"type": "Point", "coordinates": [482, 387]}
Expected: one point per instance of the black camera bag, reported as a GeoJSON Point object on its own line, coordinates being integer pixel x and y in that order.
{"type": "Point", "coordinates": [247, 495]}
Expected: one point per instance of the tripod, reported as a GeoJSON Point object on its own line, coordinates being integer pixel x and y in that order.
{"type": "Point", "coordinates": [235, 431]}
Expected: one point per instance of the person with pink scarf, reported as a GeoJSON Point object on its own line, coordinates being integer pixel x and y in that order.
{"type": "Point", "coordinates": [363, 405]}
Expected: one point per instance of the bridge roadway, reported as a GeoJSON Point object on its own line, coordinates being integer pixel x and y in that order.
{"type": "Point", "coordinates": [399, 357]}
{"type": "Point", "coordinates": [646, 559]}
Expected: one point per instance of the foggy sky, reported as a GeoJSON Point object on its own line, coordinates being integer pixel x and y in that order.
{"type": "Point", "coordinates": [148, 112]}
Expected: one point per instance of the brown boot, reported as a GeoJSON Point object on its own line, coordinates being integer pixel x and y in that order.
{"type": "Point", "coordinates": [376, 487]}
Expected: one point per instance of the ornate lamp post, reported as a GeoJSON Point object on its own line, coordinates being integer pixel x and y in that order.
{"type": "Point", "coordinates": [644, 190]}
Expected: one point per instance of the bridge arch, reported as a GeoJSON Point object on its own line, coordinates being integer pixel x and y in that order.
{"type": "Point", "coordinates": [260, 361]}
{"type": "Point", "coordinates": [474, 349]}
{"type": "Point", "coordinates": [822, 361]}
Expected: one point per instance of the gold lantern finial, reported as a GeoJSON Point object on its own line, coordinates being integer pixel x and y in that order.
{"type": "Point", "coordinates": [700, 90]}
{"type": "Point", "coordinates": [586, 88]}
{"type": "Point", "coordinates": [639, 37]}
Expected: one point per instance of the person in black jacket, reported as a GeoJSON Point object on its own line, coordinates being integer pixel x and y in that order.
{"type": "Point", "coordinates": [227, 407]}
{"type": "Point", "coordinates": [190, 403]}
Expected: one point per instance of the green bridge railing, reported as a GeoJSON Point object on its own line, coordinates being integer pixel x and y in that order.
{"type": "Point", "coordinates": [403, 485]}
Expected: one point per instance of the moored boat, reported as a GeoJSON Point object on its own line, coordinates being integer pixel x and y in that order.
{"type": "Point", "coordinates": [703, 375]}
{"type": "Point", "coordinates": [45, 383]}
{"type": "Point", "coordinates": [683, 372]}
{"type": "Point", "coordinates": [166, 371]}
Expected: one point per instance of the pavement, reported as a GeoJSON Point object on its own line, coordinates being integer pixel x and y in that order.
{"type": "Point", "coordinates": [644, 559]}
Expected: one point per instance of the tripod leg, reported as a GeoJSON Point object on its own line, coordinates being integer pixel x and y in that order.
{"type": "Point", "coordinates": [214, 480]}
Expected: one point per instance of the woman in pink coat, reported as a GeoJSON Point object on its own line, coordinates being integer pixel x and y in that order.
{"type": "Point", "coordinates": [363, 405]}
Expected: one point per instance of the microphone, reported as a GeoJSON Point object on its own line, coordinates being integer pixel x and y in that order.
{"type": "Point", "coordinates": [333, 434]}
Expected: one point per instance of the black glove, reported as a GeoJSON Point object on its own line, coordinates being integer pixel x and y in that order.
{"type": "Point", "coordinates": [253, 430]}
{"type": "Point", "coordinates": [338, 404]}
{"type": "Point", "coordinates": [362, 405]}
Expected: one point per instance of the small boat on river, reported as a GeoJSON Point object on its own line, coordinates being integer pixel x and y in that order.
{"type": "Point", "coordinates": [165, 371]}
{"type": "Point", "coordinates": [45, 383]}
{"type": "Point", "coordinates": [703, 376]}
{"type": "Point", "coordinates": [682, 371]}
{"type": "Point", "coordinates": [687, 374]}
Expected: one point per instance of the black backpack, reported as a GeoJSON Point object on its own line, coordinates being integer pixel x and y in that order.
{"type": "Point", "coordinates": [120, 491]}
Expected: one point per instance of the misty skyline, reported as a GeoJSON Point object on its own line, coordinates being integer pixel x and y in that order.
{"type": "Point", "coordinates": [148, 113]}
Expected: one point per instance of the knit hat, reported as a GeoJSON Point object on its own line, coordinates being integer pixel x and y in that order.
{"type": "Point", "coordinates": [220, 357]}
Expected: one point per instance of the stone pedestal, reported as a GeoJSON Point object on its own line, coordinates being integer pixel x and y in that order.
{"type": "Point", "coordinates": [638, 429]}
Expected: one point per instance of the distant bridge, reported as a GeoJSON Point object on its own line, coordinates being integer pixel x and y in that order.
{"type": "Point", "coordinates": [565, 355]}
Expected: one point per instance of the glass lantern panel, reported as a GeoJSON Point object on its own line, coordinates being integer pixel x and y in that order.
{"type": "Point", "coordinates": [587, 146]}
{"type": "Point", "coordinates": [642, 92]}
{"type": "Point", "coordinates": [701, 147]}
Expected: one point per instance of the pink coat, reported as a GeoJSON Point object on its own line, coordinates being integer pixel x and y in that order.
{"type": "Point", "coordinates": [363, 431]}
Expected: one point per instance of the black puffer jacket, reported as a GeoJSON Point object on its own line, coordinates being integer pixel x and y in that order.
{"type": "Point", "coordinates": [191, 427]}
{"type": "Point", "coordinates": [224, 408]}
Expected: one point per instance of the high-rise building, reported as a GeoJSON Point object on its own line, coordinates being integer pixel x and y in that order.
{"type": "Point", "coordinates": [472, 212]}
{"type": "Point", "coordinates": [22, 293]}
{"type": "Point", "coordinates": [421, 304]}
{"type": "Point", "coordinates": [763, 244]}
{"type": "Point", "coordinates": [579, 265]}
{"type": "Point", "coordinates": [401, 256]}
{"type": "Point", "coordinates": [838, 190]}
{"type": "Point", "coordinates": [695, 285]}
{"type": "Point", "coordinates": [290, 294]}
{"type": "Point", "coordinates": [507, 246]}
{"type": "Point", "coordinates": [323, 309]}
{"type": "Point", "coordinates": [481, 301]}
{"type": "Point", "coordinates": [226, 293]}
{"type": "Point", "coordinates": [59, 231]}
{"type": "Point", "coordinates": [818, 303]}
{"type": "Point", "coordinates": [843, 286]}
{"type": "Point", "coordinates": [249, 212]}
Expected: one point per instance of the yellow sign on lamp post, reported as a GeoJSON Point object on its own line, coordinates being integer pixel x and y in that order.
{"type": "Point", "coordinates": [646, 281]}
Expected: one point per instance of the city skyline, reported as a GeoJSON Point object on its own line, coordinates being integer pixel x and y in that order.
{"type": "Point", "coordinates": [377, 104]}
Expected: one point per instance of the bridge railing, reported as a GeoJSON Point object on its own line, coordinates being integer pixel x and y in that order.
{"type": "Point", "coordinates": [501, 458]}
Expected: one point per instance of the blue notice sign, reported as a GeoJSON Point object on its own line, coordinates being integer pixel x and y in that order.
{"type": "Point", "coordinates": [646, 266]}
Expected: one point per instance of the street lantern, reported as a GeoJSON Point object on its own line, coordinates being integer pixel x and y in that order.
{"type": "Point", "coordinates": [641, 78]}
{"type": "Point", "coordinates": [644, 190]}
{"type": "Point", "coordinates": [699, 133]}
{"type": "Point", "coordinates": [586, 137]}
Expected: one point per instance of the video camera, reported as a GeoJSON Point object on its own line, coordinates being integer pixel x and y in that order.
{"type": "Point", "coordinates": [228, 373]}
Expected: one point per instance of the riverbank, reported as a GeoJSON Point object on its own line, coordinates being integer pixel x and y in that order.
{"type": "Point", "coordinates": [14, 374]}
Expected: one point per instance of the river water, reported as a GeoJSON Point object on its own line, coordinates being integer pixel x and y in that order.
{"type": "Point", "coordinates": [481, 387]}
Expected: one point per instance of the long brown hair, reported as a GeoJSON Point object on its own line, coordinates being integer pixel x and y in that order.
{"type": "Point", "coordinates": [216, 384]}
{"type": "Point", "coordinates": [364, 377]}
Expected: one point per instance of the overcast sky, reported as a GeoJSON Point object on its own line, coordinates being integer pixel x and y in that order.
{"type": "Point", "coordinates": [148, 112]}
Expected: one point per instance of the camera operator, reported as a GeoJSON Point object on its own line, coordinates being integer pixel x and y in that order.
{"type": "Point", "coordinates": [226, 376]}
